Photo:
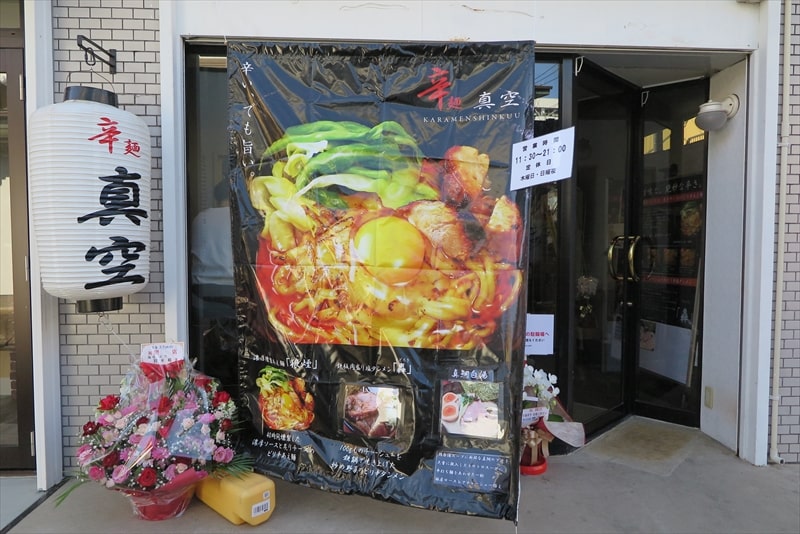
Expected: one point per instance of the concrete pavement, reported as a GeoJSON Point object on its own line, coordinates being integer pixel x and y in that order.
{"type": "Point", "coordinates": [624, 481]}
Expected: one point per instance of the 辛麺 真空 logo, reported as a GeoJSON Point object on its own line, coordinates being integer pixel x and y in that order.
{"type": "Point", "coordinates": [504, 104]}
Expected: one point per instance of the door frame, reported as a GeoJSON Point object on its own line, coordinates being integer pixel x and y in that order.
{"type": "Point", "coordinates": [691, 415]}
{"type": "Point", "coordinates": [570, 196]}
{"type": "Point", "coordinates": [22, 456]}
{"type": "Point", "coordinates": [629, 404]}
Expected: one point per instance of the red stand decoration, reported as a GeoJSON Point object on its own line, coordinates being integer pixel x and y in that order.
{"type": "Point", "coordinates": [159, 505]}
{"type": "Point", "coordinates": [166, 502]}
{"type": "Point", "coordinates": [537, 468]}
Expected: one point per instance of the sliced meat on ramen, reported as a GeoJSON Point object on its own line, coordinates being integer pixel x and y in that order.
{"type": "Point", "coordinates": [465, 175]}
{"type": "Point", "coordinates": [442, 226]}
{"type": "Point", "coordinates": [504, 230]}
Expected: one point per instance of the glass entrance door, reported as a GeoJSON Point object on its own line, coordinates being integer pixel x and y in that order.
{"type": "Point", "coordinates": [668, 258]}
{"type": "Point", "coordinates": [640, 181]}
{"type": "Point", "coordinates": [603, 137]}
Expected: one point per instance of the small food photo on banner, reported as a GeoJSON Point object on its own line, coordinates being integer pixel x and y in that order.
{"type": "Point", "coordinates": [379, 261]}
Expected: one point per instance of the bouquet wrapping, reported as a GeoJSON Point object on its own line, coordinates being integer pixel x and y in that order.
{"type": "Point", "coordinates": [544, 417]}
{"type": "Point", "coordinates": [169, 427]}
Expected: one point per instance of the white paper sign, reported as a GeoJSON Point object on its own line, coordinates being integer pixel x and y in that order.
{"type": "Point", "coordinates": [539, 332]}
{"type": "Point", "coordinates": [162, 353]}
{"type": "Point", "coordinates": [531, 415]}
{"type": "Point", "coordinates": [543, 159]}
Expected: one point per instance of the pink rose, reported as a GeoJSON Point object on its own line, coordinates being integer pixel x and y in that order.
{"type": "Point", "coordinates": [120, 474]}
{"type": "Point", "coordinates": [106, 419]}
{"type": "Point", "coordinates": [207, 418]}
{"type": "Point", "coordinates": [223, 455]}
{"type": "Point", "coordinates": [84, 453]}
{"type": "Point", "coordinates": [170, 472]}
{"type": "Point", "coordinates": [97, 473]}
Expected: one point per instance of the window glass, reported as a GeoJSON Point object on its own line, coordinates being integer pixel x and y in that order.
{"type": "Point", "coordinates": [212, 318]}
{"type": "Point", "coordinates": [11, 14]}
{"type": "Point", "coordinates": [543, 275]}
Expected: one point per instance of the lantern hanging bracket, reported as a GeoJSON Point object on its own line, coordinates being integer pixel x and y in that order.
{"type": "Point", "coordinates": [91, 57]}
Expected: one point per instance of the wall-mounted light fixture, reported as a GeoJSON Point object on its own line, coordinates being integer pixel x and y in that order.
{"type": "Point", "coordinates": [713, 115]}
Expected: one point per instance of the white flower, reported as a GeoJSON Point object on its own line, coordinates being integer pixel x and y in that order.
{"type": "Point", "coordinates": [540, 384]}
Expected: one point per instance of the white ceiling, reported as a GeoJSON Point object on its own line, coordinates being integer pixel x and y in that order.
{"type": "Point", "coordinates": [647, 69]}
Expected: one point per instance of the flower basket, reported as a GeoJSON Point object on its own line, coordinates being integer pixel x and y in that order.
{"type": "Point", "coordinates": [544, 419]}
{"type": "Point", "coordinates": [169, 501]}
{"type": "Point", "coordinates": [169, 427]}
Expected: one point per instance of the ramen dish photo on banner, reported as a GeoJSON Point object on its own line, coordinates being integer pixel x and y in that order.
{"type": "Point", "coordinates": [381, 263]}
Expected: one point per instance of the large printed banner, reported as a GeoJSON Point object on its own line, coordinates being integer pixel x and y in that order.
{"type": "Point", "coordinates": [380, 262]}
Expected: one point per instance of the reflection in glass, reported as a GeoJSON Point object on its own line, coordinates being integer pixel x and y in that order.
{"type": "Point", "coordinates": [213, 338]}
{"type": "Point", "coordinates": [9, 435]}
{"type": "Point", "coordinates": [672, 219]}
{"type": "Point", "coordinates": [543, 277]}
{"type": "Point", "coordinates": [601, 161]}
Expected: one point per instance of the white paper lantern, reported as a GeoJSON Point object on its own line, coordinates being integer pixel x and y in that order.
{"type": "Point", "coordinates": [89, 175]}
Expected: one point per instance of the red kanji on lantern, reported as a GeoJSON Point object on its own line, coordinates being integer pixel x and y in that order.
{"type": "Point", "coordinates": [132, 148]}
{"type": "Point", "coordinates": [108, 135]}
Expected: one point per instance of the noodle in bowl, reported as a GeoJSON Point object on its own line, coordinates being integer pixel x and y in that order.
{"type": "Point", "coordinates": [436, 269]}
{"type": "Point", "coordinates": [341, 304]}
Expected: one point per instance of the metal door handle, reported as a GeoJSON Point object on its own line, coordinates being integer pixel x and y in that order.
{"type": "Point", "coordinates": [612, 270]}
{"type": "Point", "coordinates": [631, 254]}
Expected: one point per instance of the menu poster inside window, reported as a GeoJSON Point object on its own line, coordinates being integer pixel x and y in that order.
{"type": "Point", "coordinates": [672, 218]}
{"type": "Point", "coordinates": [379, 266]}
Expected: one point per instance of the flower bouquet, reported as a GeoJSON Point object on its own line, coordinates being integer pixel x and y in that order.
{"type": "Point", "coordinates": [543, 419]}
{"type": "Point", "coordinates": [169, 428]}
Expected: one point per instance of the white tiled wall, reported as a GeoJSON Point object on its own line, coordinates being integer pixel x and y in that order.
{"type": "Point", "coordinates": [96, 350]}
{"type": "Point", "coordinates": [789, 408]}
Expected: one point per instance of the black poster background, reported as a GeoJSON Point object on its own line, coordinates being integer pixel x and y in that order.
{"type": "Point", "coordinates": [443, 95]}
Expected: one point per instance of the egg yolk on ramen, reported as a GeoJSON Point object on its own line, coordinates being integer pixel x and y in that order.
{"type": "Point", "coordinates": [391, 248]}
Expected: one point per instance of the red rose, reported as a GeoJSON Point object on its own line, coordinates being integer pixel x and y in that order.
{"type": "Point", "coordinates": [147, 478]}
{"type": "Point", "coordinates": [111, 459]}
{"type": "Point", "coordinates": [163, 430]}
{"type": "Point", "coordinates": [203, 381]}
{"type": "Point", "coordinates": [221, 397]}
{"type": "Point", "coordinates": [153, 371]}
{"type": "Point", "coordinates": [225, 425]}
{"type": "Point", "coordinates": [90, 428]}
{"type": "Point", "coordinates": [173, 369]}
{"type": "Point", "coordinates": [109, 403]}
{"type": "Point", "coordinates": [142, 420]}
{"type": "Point", "coordinates": [164, 405]}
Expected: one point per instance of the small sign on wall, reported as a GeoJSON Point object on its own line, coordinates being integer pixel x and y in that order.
{"type": "Point", "coordinates": [539, 334]}
{"type": "Point", "coordinates": [543, 159]}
